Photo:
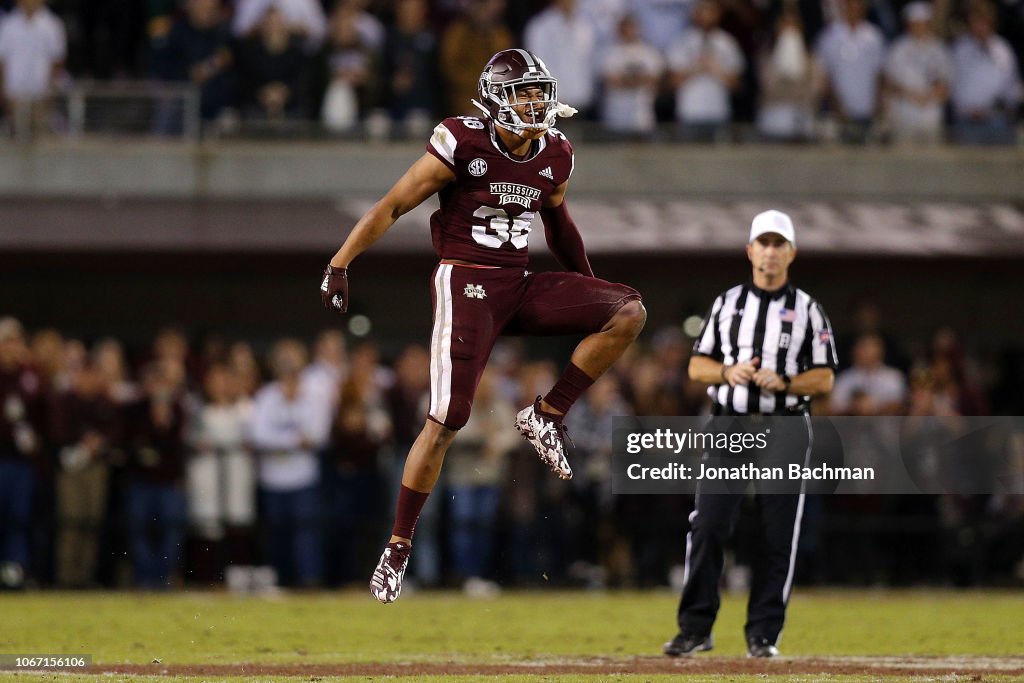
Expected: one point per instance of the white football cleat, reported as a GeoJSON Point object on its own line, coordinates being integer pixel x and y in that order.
{"type": "Point", "coordinates": [547, 437]}
{"type": "Point", "coordinates": [386, 582]}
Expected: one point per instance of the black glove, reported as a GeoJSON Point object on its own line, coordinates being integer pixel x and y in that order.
{"type": "Point", "coordinates": [334, 289]}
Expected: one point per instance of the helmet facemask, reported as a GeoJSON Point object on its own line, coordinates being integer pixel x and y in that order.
{"type": "Point", "coordinates": [499, 101]}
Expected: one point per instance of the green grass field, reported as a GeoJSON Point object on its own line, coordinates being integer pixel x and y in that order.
{"type": "Point", "coordinates": [324, 630]}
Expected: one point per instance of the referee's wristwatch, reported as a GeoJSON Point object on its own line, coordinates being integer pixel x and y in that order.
{"type": "Point", "coordinates": [786, 381]}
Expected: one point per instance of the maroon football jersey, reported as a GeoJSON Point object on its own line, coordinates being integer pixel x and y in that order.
{"type": "Point", "coordinates": [486, 212]}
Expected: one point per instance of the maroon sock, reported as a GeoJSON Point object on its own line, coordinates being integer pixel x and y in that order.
{"type": "Point", "coordinates": [410, 503]}
{"type": "Point", "coordinates": [567, 390]}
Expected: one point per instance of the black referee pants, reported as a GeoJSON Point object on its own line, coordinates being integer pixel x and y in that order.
{"type": "Point", "coordinates": [774, 558]}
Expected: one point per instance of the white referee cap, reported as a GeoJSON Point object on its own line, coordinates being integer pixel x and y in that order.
{"type": "Point", "coordinates": [772, 221]}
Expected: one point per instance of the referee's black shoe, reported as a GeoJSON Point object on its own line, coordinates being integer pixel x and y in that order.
{"type": "Point", "coordinates": [684, 645]}
{"type": "Point", "coordinates": [761, 648]}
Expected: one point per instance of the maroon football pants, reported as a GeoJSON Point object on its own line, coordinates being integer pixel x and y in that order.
{"type": "Point", "coordinates": [474, 305]}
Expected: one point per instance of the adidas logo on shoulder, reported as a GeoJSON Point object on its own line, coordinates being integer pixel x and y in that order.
{"type": "Point", "coordinates": [547, 173]}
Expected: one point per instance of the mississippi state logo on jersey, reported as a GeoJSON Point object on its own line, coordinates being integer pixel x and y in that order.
{"type": "Point", "coordinates": [486, 214]}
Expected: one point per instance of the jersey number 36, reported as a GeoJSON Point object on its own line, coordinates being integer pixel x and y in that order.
{"type": "Point", "coordinates": [499, 229]}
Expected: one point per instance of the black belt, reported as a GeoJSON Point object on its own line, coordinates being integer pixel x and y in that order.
{"type": "Point", "coordinates": [799, 409]}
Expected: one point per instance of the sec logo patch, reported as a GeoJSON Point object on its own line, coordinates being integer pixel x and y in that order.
{"type": "Point", "coordinates": [477, 167]}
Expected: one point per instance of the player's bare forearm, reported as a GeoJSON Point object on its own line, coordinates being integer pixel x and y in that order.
{"type": "Point", "coordinates": [424, 178]}
{"type": "Point", "coordinates": [368, 230]}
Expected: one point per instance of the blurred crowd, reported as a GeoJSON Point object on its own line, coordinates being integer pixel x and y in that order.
{"type": "Point", "coordinates": [171, 464]}
{"type": "Point", "coordinates": [698, 70]}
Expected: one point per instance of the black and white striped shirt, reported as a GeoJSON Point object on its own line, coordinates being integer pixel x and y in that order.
{"type": "Point", "coordinates": [786, 328]}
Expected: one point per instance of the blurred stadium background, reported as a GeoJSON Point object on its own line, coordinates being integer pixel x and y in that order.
{"type": "Point", "coordinates": [172, 190]}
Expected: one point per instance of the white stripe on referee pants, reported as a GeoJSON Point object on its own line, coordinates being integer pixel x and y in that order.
{"type": "Point", "coordinates": [689, 548]}
{"type": "Point", "coordinates": [441, 345]}
{"type": "Point", "coordinates": [788, 586]}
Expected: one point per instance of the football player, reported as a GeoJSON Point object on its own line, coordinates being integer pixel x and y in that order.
{"type": "Point", "coordinates": [492, 175]}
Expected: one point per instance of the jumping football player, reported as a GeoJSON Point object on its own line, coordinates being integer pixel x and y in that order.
{"type": "Point", "coordinates": [492, 174]}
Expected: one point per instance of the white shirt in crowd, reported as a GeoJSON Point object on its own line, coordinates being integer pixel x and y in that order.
{"type": "Point", "coordinates": [631, 108]}
{"type": "Point", "coordinates": [325, 379]}
{"type": "Point", "coordinates": [703, 98]}
{"type": "Point", "coordinates": [916, 66]}
{"type": "Point", "coordinates": [306, 16]}
{"type": "Point", "coordinates": [883, 385]}
{"type": "Point", "coordinates": [853, 57]}
{"type": "Point", "coordinates": [984, 76]}
{"type": "Point", "coordinates": [29, 48]}
{"type": "Point", "coordinates": [221, 473]}
{"type": "Point", "coordinates": [661, 21]}
{"type": "Point", "coordinates": [566, 45]}
{"type": "Point", "coordinates": [277, 431]}
{"type": "Point", "coordinates": [604, 17]}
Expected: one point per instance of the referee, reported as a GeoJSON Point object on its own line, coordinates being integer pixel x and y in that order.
{"type": "Point", "coordinates": [765, 348]}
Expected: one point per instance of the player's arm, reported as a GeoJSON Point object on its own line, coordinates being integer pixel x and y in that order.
{"type": "Point", "coordinates": [563, 237]}
{"type": "Point", "coordinates": [424, 178]}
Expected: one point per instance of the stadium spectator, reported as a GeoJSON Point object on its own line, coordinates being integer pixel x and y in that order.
{"type": "Point", "coordinates": [197, 50]}
{"type": "Point", "coordinates": [352, 482]}
{"type": "Point", "coordinates": [155, 440]}
{"type": "Point", "coordinates": [475, 465]}
{"type": "Point", "coordinates": [604, 16]}
{"type": "Point", "coordinates": [33, 46]}
{"type": "Point", "coordinates": [661, 21]}
{"type": "Point", "coordinates": [221, 471]}
{"type": "Point", "coordinates": [564, 39]}
{"type": "Point", "coordinates": [344, 71]}
{"type": "Point", "coordinates": [271, 69]}
{"type": "Point", "coordinates": [874, 387]}
{"type": "Point", "coordinates": [245, 368]}
{"type": "Point", "coordinates": [46, 355]}
{"type": "Point", "coordinates": [170, 343]}
{"type": "Point", "coordinates": [289, 425]}
{"type": "Point", "coordinates": [407, 400]}
{"type": "Point", "coordinates": [954, 374]}
{"type": "Point", "coordinates": [986, 88]}
{"type": "Point", "coordinates": [371, 30]}
{"type": "Point", "coordinates": [631, 73]}
{"type": "Point", "coordinates": [917, 72]}
{"type": "Point", "coordinates": [791, 82]}
{"type": "Point", "coordinates": [595, 538]}
{"type": "Point", "coordinates": [107, 356]}
{"type": "Point", "coordinates": [329, 365]}
{"type": "Point", "coordinates": [470, 40]}
{"type": "Point", "coordinates": [409, 77]}
{"type": "Point", "coordinates": [303, 17]}
{"type": "Point", "coordinates": [85, 426]}
{"type": "Point", "coordinates": [23, 394]}
{"type": "Point", "coordinates": [705, 66]}
{"type": "Point", "coordinates": [670, 352]}
{"type": "Point", "coordinates": [866, 316]}
{"type": "Point", "coordinates": [526, 492]}
{"type": "Point", "coordinates": [852, 52]}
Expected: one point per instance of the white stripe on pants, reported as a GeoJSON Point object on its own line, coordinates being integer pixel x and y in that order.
{"type": "Point", "coordinates": [441, 345]}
